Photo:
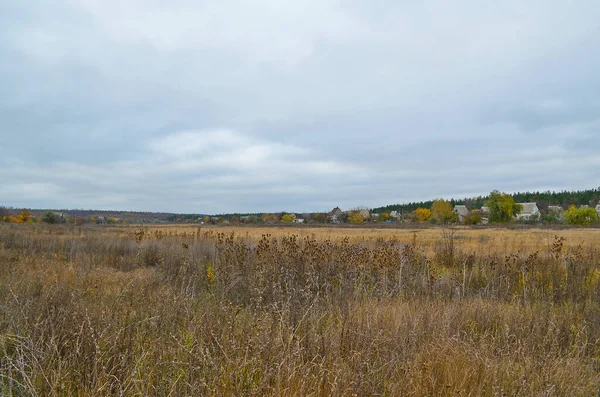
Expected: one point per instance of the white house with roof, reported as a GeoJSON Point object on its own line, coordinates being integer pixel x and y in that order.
{"type": "Point", "coordinates": [462, 211]}
{"type": "Point", "coordinates": [397, 215]}
{"type": "Point", "coordinates": [528, 211]}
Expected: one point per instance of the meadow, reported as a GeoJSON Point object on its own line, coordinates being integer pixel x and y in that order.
{"type": "Point", "coordinates": [284, 311]}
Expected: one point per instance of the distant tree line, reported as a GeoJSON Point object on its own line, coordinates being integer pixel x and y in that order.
{"type": "Point", "coordinates": [502, 208]}
{"type": "Point", "coordinates": [565, 199]}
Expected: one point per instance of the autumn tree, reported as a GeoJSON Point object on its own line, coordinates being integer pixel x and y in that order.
{"type": "Point", "coordinates": [580, 216]}
{"type": "Point", "coordinates": [25, 216]}
{"type": "Point", "coordinates": [422, 214]}
{"type": "Point", "coordinates": [502, 207]}
{"type": "Point", "coordinates": [356, 218]}
{"type": "Point", "coordinates": [473, 218]}
{"type": "Point", "coordinates": [441, 212]}
{"type": "Point", "coordinates": [287, 218]}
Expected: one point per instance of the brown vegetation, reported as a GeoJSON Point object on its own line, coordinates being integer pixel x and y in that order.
{"type": "Point", "coordinates": [183, 311]}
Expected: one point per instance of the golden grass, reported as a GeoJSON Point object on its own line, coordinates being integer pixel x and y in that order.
{"type": "Point", "coordinates": [222, 311]}
{"type": "Point", "coordinates": [486, 240]}
{"type": "Point", "coordinates": [575, 236]}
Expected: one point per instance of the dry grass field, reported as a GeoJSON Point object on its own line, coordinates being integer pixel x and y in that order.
{"type": "Point", "coordinates": [219, 311]}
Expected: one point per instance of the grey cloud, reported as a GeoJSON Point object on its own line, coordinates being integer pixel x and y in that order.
{"type": "Point", "coordinates": [231, 106]}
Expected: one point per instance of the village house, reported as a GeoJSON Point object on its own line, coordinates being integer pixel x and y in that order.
{"type": "Point", "coordinates": [334, 215]}
{"type": "Point", "coordinates": [528, 211]}
{"type": "Point", "coordinates": [462, 211]}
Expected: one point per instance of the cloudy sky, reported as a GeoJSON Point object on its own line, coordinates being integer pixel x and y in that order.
{"type": "Point", "coordinates": [269, 105]}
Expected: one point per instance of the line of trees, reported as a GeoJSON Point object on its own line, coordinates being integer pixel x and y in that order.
{"type": "Point", "coordinates": [502, 208]}
{"type": "Point", "coordinates": [565, 199]}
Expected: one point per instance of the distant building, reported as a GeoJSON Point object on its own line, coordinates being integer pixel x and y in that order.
{"type": "Point", "coordinates": [462, 211]}
{"type": "Point", "coordinates": [528, 211]}
{"type": "Point", "coordinates": [334, 216]}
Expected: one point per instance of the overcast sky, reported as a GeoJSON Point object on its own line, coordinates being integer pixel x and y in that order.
{"type": "Point", "coordinates": [243, 106]}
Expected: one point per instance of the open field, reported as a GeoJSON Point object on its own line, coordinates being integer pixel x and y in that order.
{"type": "Point", "coordinates": [467, 238]}
{"type": "Point", "coordinates": [524, 238]}
{"type": "Point", "coordinates": [178, 310]}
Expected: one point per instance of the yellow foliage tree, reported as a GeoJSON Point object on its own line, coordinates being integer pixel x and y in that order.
{"type": "Point", "coordinates": [473, 218]}
{"type": "Point", "coordinates": [24, 217]}
{"type": "Point", "coordinates": [441, 212]}
{"type": "Point", "coordinates": [287, 218]}
{"type": "Point", "coordinates": [422, 214]}
{"type": "Point", "coordinates": [580, 216]}
{"type": "Point", "coordinates": [356, 218]}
